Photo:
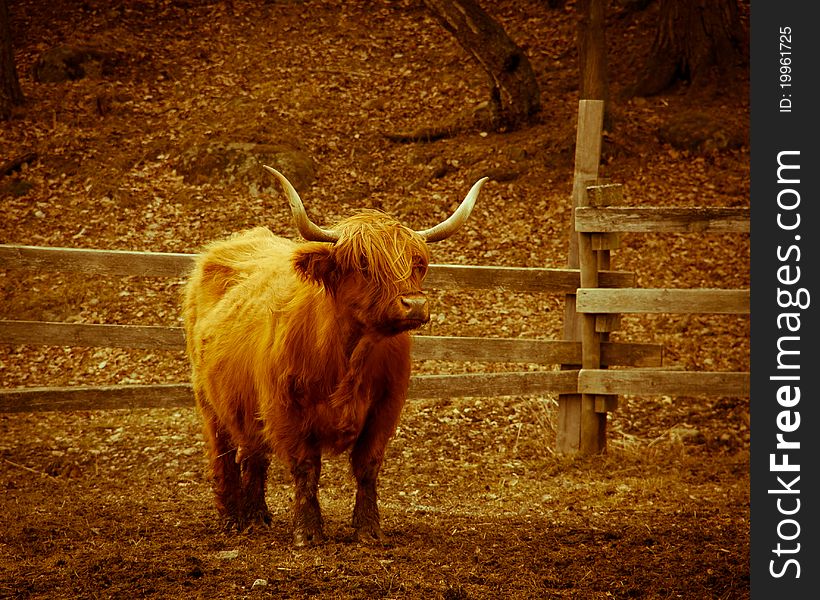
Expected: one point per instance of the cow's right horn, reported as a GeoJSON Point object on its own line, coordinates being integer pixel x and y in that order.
{"type": "Point", "coordinates": [447, 228]}
{"type": "Point", "coordinates": [309, 230]}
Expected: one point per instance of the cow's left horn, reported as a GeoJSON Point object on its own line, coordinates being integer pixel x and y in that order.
{"type": "Point", "coordinates": [447, 228]}
{"type": "Point", "coordinates": [309, 230]}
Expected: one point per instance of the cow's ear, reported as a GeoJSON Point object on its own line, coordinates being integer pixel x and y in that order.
{"type": "Point", "coordinates": [314, 262]}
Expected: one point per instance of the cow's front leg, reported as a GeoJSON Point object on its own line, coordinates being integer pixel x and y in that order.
{"type": "Point", "coordinates": [366, 518]}
{"type": "Point", "coordinates": [307, 516]}
{"type": "Point", "coordinates": [366, 461]}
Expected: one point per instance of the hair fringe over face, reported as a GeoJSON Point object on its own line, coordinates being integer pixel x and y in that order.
{"type": "Point", "coordinates": [380, 248]}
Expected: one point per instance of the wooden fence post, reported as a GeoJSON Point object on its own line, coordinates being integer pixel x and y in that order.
{"type": "Point", "coordinates": [575, 414]}
{"type": "Point", "coordinates": [594, 255]}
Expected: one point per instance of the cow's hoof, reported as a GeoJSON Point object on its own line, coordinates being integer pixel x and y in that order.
{"type": "Point", "coordinates": [304, 537]}
{"type": "Point", "coordinates": [258, 516]}
{"type": "Point", "coordinates": [371, 535]}
{"type": "Point", "coordinates": [231, 524]}
{"type": "Point", "coordinates": [257, 520]}
{"type": "Point", "coordinates": [246, 521]}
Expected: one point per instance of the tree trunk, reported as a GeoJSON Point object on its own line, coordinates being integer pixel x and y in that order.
{"type": "Point", "coordinates": [592, 50]}
{"type": "Point", "coordinates": [514, 93]}
{"type": "Point", "coordinates": [699, 41]}
{"type": "Point", "coordinates": [10, 92]}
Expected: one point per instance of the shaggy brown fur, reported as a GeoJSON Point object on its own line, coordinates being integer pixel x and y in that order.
{"type": "Point", "coordinates": [299, 349]}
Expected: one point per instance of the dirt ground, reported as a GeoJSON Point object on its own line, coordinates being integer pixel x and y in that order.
{"type": "Point", "coordinates": [474, 500]}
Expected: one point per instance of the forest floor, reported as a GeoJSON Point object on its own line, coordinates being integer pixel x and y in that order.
{"type": "Point", "coordinates": [474, 499]}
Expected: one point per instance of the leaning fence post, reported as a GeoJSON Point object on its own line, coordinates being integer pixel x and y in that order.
{"type": "Point", "coordinates": [572, 411]}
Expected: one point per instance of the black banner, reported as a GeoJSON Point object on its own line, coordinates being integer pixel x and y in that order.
{"type": "Point", "coordinates": [785, 420]}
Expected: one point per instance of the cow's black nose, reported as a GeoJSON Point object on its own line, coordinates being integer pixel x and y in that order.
{"type": "Point", "coordinates": [415, 308]}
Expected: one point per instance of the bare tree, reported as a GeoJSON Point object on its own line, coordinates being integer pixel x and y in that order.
{"type": "Point", "coordinates": [696, 41]}
{"type": "Point", "coordinates": [10, 92]}
{"type": "Point", "coordinates": [514, 93]}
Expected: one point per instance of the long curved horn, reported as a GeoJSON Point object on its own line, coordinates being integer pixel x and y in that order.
{"type": "Point", "coordinates": [309, 230]}
{"type": "Point", "coordinates": [447, 228]}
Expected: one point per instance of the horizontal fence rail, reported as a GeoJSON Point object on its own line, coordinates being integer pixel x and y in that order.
{"type": "Point", "coordinates": [511, 350]}
{"type": "Point", "coordinates": [620, 219]}
{"type": "Point", "coordinates": [41, 333]}
{"type": "Point", "coordinates": [544, 352]}
{"type": "Point", "coordinates": [659, 382]}
{"type": "Point", "coordinates": [181, 394]}
{"type": "Point", "coordinates": [679, 301]}
{"type": "Point", "coordinates": [97, 262]}
{"type": "Point", "coordinates": [158, 264]}
{"type": "Point", "coordinates": [104, 397]}
{"type": "Point", "coordinates": [518, 279]}
{"type": "Point", "coordinates": [586, 381]}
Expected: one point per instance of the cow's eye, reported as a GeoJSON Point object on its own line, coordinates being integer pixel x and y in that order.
{"type": "Point", "coordinates": [364, 266]}
{"type": "Point", "coordinates": [420, 267]}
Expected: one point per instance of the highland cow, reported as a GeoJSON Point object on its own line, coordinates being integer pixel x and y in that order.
{"type": "Point", "coordinates": [300, 349]}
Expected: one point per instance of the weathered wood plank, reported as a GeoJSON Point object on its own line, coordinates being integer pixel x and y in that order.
{"type": "Point", "coordinates": [87, 334]}
{"type": "Point", "coordinates": [157, 264]}
{"type": "Point", "coordinates": [677, 301]}
{"type": "Point", "coordinates": [488, 385]}
{"type": "Point", "coordinates": [607, 194]}
{"type": "Point", "coordinates": [518, 279]}
{"type": "Point", "coordinates": [96, 398]}
{"type": "Point", "coordinates": [662, 220]}
{"type": "Point", "coordinates": [97, 262]}
{"type": "Point", "coordinates": [476, 349]}
{"type": "Point", "coordinates": [667, 383]}
{"type": "Point", "coordinates": [545, 352]}
{"type": "Point", "coordinates": [482, 385]}
{"type": "Point", "coordinates": [631, 382]}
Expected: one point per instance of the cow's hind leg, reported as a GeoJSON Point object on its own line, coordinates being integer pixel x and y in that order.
{"type": "Point", "coordinates": [305, 466]}
{"type": "Point", "coordinates": [225, 472]}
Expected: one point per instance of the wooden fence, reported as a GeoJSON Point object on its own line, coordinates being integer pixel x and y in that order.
{"type": "Point", "coordinates": [592, 312]}
{"type": "Point", "coordinates": [594, 293]}
{"type": "Point", "coordinates": [95, 262]}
